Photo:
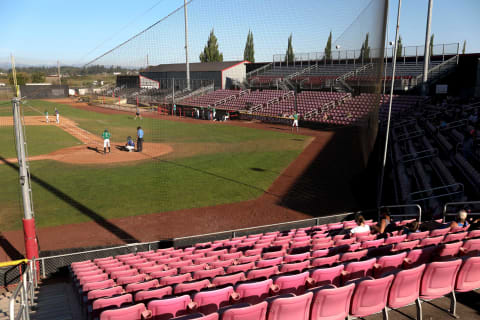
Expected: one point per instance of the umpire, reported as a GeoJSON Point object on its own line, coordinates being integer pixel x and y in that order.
{"type": "Point", "coordinates": [139, 139]}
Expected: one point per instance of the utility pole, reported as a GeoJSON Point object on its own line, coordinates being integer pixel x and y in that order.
{"type": "Point", "coordinates": [394, 64]}
{"type": "Point", "coordinates": [58, 72]}
{"type": "Point", "coordinates": [31, 245]}
{"type": "Point", "coordinates": [427, 52]}
{"type": "Point", "coordinates": [186, 43]}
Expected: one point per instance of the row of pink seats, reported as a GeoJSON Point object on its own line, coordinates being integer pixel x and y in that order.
{"type": "Point", "coordinates": [359, 298]}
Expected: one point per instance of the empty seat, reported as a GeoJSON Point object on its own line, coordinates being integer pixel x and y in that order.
{"type": "Point", "coordinates": [241, 267]}
{"type": "Point", "coordinates": [455, 236]}
{"type": "Point", "coordinates": [231, 279]}
{"type": "Point", "coordinates": [439, 280]}
{"type": "Point", "coordinates": [419, 256]}
{"type": "Point", "coordinates": [468, 277]}
{"type": "Point", "coordinates": [103, 293]}
{"type": "Point", "coordinates": [117, 301]}
{"type": "Point", "coordinates": [417, 235]}
{"type": "Point", "coordinates": [326, 276]}
{"type": "Point", "coordinates": [298, 266]}
{"type": "Point", "coordinates": [132, 287]}
{"type": "Point", "coordinates": [331, 303]}
{"type": "Point", "coordinates": [147, 295]}
{"type": "Point", "coordinates": [191, 286]}
{"type": "Point", "coordinates": [407, 245]}
{"type": "Point", "coordinates": [405, 289]}
{"type": "Point", "coordinates": [168, 308]}
{"type": "Point", "coordinates": [98, 285]}
{"type": "Point", "coordinates": [128, 313]}
{"type": "Point", "coordinates": [165, 281]}
{"type": "Point", "coordinates": [289, 308]}
{"type": "Point", "coordinates": [359, 269]}
{"type": "Point", "coordinates": [266, 272]}
{"type": "Point", "coordinates": [296, 257]}
{"type": "Point", "coordinates": [395, 239]}
{"type": "Point", "coordinates": [351, 256]}
{"type": "Point", "coordinates": [370, 296]}
{"type": "Point", "coordinates": [439, 232]}
{"type": "Point", "coordinates": [471, 247]}
{"type": "Point", "coordinates": [326, 261]}
{"type": "Point", "coordinates": [212, 273]}
{"type": "Point", "coordinates": [131, 279]}
{"type": "Point", "coordinates": [210, 301]}
{"type": "Point", "coordinates": [253, 312]}
{"type": "Point", "coordinates": [447, 251]}
{"type": "Point", "coordinates": [389, 263]}
{"type": "Point", "coordinates": [292, 283]}
{"type": "Point", "coordinates": [269, 262]}
{"type": "Point", "coordinates": [254, 292]}
{"type": "Point", "coordinates": [431, 241]}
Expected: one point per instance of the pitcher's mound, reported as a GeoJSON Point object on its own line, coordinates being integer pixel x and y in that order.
{"type": "Point", "coordinates": [91, 154]}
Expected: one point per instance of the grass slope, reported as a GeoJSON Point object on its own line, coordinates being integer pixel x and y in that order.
{"type": "Point", "coordinates": [212, 164]}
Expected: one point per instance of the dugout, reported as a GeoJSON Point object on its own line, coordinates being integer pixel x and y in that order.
{"type": "Point", "coordinates": [223, 74]}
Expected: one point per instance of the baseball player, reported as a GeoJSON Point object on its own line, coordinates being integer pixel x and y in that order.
{"type": "Point", "coordinates": [57, 115]}
{"type": "Point", "coordinates": [106, 141]}
{"type": "Point", "coordinates": [46, 116]}
{"type": "Point", "coordinates": [295, 121]}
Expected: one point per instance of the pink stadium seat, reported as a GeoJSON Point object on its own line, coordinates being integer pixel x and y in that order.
{"type": "Point", "coordinates": [169, 280]}
{"type": "Point", "coordinates": [211, 273]}
{"type": "Point", "coordinates": [104, 293]}
{"type": "Point", "coordinates": [407, 245]}
{"type": "Point", "coordinates": [123, 273]}
{"type": "Point", "coordinates": [431, 241]}
{"type": "Point", "coordinates": [292, 283]}
{"type": "Point", "coordinates": [216, 253]}
{"type": "Point", "coordinates": [405, 289]}
{"type": "Point", "coordinates": [320, 253]}
{"type": "Point", "coordinates": [193, 268]}
{"type": "Point", "coordinates": [111, 270]}
{"type": "Point", "coordinates": [191, 286]}
{"type": "Point", "coordinates": [297, 307]}
{"type": "Point", "coordinates": [468, 277]}
{"type": "Point", "coordinates": [451, 237]}
{"type": "Point", "coordinates": [331, 303]}
{"type": "Point", "coordinates": [326, 276]}
{"type": "Point", "coordinates": [321, 240]}
{"type": "Point", "coordinates": [253, 252]}
{"type": "Point", "coordinates": [417, 235]}
{"type": "Point", "coordinates": [143, 265]}
{"type": "Point", "coordinates": [88, 273]}
{"type": "Point", "coordinates": [133, 287]}
{"type": "Point", "coordinates": [98, 285]}
{"type": "Point", "coordinates": [389, 263]}
{"type": "Point", "coordinates": [231, 279]}
{"type": "Point", "coordinates": [439, 280]}
{"type": "Point", "coordinates": [359, 269]}
{"type": "Point", "coordinates": [179, 264]}
{"type": "Point", "coordinates": [395, 239]}
{"type": "Point", "coordinates": [134, 312]}
{"type": "Point", "coordinates": [266, 272]}
{"type": "Point", "coordinates": [229, 256]}
{"type": "Point", "coordinates": [369, 237]}
{"type": "Point", "coordinates": [419, 256]}
{"type": "Point", "coordinates": [153, 294]}
{"type": "Point", "coordinates": [112, 301]}
{"type": "Point", "coordinates": [253, 312]}
{"type": "Point", "coordinates": [447, 251]}
{"type": "Point", "coordinates": [324, 245]}
{"type": "Point", "coordinates": [96, 278]}
{"type": "Point", "coordinates": [87, 262]}
{"type": "Point", "coordinates": [471, 247]}
{"type": "Point", "coordinates": [343, 242]}
{"type": "Point", "coordinates": [210, 301]}
{"type": "Point", "coordinates": [240, 267]}
{"type": "Point", "coordinates": [193, 256]}
{"type": "Point", "coordinates": [370, 296]}
{"type": "Point", "coordinates": [269, 262]}
{"type": "Point", "coordinates": [165, 309]}
{"type": "Point", "coordinates": [274, 254]}
{"type": "Point", "coordinates": [205, 260]}
{"type": "Point", "coordinates": [439, 232]}
{"type": "Point", "coordinates": [249, 259]}
{"type": "Point", "coordinates": [325, 261]}
{"type": "Point", "coordinates": [131, 279]}
{"type": "Point", "coordinates": [296, 257]}
{"type": "Point", "coordinates": [254, 292]}
{"type": "Point", "coordinates": [353, 256]}
{"type": "Point", "coordinates": [85, 269]}
{"type": "Point", "coordinates": [163, 273]}
{"type": "Point", "coordinates": [297, 266]}
{"type": "Point", "coordinates": [474, 234]}
{"type": "Point", "coordinates": [373, 243]}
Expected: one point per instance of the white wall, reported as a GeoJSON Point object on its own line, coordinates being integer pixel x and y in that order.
{"type": "Point", "coordinates": [238, 72]}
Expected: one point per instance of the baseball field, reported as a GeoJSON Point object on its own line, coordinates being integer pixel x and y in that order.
{"type": "Point", "coordinates": [186, 164]}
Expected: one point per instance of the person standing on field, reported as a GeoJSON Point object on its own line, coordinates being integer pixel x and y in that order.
{"type": "Point", "coordinates": [46, 116]}
{"type": "Point", "coordinates": [295, 121]}
{"type": "Point", "coordinates": [106, 141]}
{"type": "Point", "coordinates": [139, 139]}
{"type": "Point", "coordinates": [137, 114]}
{"type": "Point", "coordinates": [57, 115]}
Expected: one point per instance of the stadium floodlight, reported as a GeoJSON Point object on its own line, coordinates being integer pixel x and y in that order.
{"type": "Point", "coordinates": [391, 43]}
{"type": "Point", "coordinates": [338, 46]}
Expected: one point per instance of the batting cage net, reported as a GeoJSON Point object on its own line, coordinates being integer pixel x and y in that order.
{"type": "Point", "coordinates": [275, 121]}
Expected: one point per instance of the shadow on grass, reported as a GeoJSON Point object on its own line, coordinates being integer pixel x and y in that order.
{"type": "Point", "coordinates": [98, 219]}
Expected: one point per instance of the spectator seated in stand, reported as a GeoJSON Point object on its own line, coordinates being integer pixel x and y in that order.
{"type": "Point", "coordinates": [361, 225]}
{"type": "Point", "coordinates": [461, 221]}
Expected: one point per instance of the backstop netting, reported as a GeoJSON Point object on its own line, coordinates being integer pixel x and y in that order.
{"type": "Point", "coordinates": [140, 153]}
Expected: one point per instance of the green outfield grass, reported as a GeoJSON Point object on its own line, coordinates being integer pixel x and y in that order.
{"type": "Point", "coordinates": [41, 140]}
{"type": "Point", "coordinates": [211, 164]}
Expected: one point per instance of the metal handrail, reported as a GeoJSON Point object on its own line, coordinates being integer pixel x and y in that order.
{"type": "Point", "coordinates": [456, 204]}
{"type": "Point", "coordinates": [419, 155]}
{"type": "Point", "coordinates": [249, 74]}
{"type": "Point", "coordinates": [26, 290]}
{"type": "Point", "coordinates": [439, 188]}
{"type": "Point", "coordinates": [454, 124]}
{"type": "Point", "coordinates": [437, 67]}
{"type": "Point", "coordinates": [419, 215]}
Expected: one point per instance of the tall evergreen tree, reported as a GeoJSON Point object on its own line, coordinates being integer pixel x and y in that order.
{"type": "Point", "coordinates": [249, 52]}
{"type": "Point", "coordinates": [432, 37]}
{"type": "Point", "coordinates": [365, 50]}
{"type": "Point", "coordinates": [210, 52]}
{"type": "Point", "coordinates": [399, 47]}
{"type": "Point", "coordinates": [328, 47]}
{"type": "Point", "coordinates": [464, 46]}
{"type": "Point", "coordinates": [289, 55]}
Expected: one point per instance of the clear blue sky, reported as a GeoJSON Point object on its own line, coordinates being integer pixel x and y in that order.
{"type": "Point", "coordinates": [40, 31]}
